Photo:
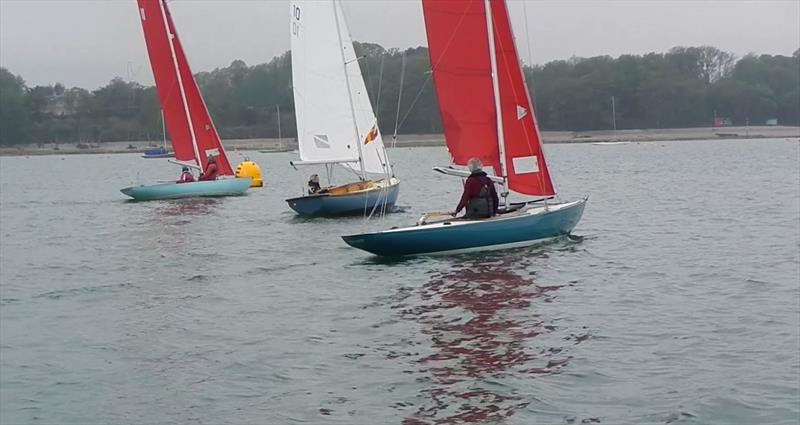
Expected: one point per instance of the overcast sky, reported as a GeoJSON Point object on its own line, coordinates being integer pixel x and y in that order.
{"type": "Point", "coordinates": [87, 42]}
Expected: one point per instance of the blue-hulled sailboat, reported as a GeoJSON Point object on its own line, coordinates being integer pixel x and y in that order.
{"type": "Point", "coordinates": [192, 133]}
{"type": "Point", "coordinates": [486, 114]}
{"type": "Point", "coordinates": [336, 124]}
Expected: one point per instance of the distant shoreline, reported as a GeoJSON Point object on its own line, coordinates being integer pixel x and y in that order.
{"type": "Point", "coordinates": [405, 141]}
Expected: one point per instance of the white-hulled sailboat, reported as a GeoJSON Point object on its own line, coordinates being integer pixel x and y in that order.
{"type": "Point", "coordinates": [487, 114]}
{"type": "Point", "coordinates": [336, 124]}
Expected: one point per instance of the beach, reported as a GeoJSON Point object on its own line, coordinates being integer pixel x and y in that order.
{"type": "Point", "coordinates": [419, 140]}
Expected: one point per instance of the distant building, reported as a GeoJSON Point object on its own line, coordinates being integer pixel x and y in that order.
{"type": "Point", "coordinates": [57, 106]}
{"type": "Point", "coordinates": [722, 122]}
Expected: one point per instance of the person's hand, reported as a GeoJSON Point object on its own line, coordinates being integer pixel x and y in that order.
{"type": "Point", "coordinates": [453, 213]}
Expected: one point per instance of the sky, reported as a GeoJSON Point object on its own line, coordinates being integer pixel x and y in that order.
{"type": "Point", "coordinates": [86, 43]}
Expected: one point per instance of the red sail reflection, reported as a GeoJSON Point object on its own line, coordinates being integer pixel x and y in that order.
{"type": "Point", "coordinates": [482, 323]}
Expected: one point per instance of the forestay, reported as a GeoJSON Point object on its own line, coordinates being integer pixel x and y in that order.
{"type": "Point", "coordinates": [461, 60]}
{"type": "Point", "coordinates": [331, 121]}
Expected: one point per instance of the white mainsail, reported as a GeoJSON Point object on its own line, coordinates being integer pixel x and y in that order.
{"type": "Point", "coordinates": [331, 120]}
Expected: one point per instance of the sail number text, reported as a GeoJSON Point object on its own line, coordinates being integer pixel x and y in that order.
{"type": "Point", "coordinates": [295, 20]}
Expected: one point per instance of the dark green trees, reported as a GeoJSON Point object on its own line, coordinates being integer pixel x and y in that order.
{"type": "Point", "coordinates": [685, 87]}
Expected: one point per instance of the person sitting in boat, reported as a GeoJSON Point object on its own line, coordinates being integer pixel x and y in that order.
{"type": "Point", "coordinates": [313, 184]}
{"type": "Point", "coordinates": [479, 197]}
{"type": "Point", "coordinates": [210, 173]}
{"type": "Point", "coordinates": [186, 176]}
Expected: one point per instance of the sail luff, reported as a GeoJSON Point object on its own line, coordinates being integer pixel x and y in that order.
{"type": "Point", "coordinates": [174, 118]}
{"type": "Point", "coordinates": [331, 101]}
{"type": "Point", "coordinates": [462, 79]}
{"type": "Point", "coordinates": [501, 149]}
{"type": "Point", "coordinates": [336, 9]}
{"type": "Point", "coordinates": [527, 170]}
{"type": "Point", "coordinates": [170, 38]}
{"type": "Point", "coordinates": [206, 137]}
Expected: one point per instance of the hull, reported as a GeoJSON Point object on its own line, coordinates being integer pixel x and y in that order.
{"type": "Point", "coordinates": [339, 201]}
{"type": "Point", "coordinates": [157, 153]}
{"type": "Point", "coordinates": [223, 187]}
{"type": "Point", "coordinates": [526, 227]}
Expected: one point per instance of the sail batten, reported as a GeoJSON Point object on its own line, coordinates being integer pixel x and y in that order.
{"type": "Point", "coordinates": [192, 133]}
{"type": "Point", "coordinates": [479, 119]}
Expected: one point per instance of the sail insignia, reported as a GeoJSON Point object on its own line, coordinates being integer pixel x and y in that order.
{"type": "Point", "coordinates": [525, 164]}
{"type": "Point", "coordinates": [521, 112]}
{"type": "Point", "coordinates": [321, 141]}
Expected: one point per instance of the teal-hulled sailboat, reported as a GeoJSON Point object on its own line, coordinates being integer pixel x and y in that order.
{"type": "Point", "coordinates": [192, 133]}
{"type": "Point", "coordinates": [487, 114]}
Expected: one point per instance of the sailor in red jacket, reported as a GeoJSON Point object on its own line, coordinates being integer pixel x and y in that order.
{"type": "Point", "coordinates": [479, 197]}
{"type": "Point", "coordinates": [210, 173]}
{"type": "Point", "coordinates": [186, 176]}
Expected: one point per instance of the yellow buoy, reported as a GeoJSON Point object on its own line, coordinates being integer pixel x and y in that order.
{"type": "Point", "coordinates": [250, 169]}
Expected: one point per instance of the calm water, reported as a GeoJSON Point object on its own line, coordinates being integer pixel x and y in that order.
{"type": "Point", "coordinates": [679, 302]}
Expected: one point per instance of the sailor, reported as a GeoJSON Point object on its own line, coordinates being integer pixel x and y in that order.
{"type": "Point", "coordinates": [186, 176]}
{"type": "Point", "coordinates": [313, 184]}
{"type": "Point", "coordinates": [479, 197]}
{"type": "Point", "coordinates": [210, 173]}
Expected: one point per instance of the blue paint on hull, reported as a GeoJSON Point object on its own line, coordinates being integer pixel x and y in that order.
{"type": "Point", "coordinates": [222, 187]}
{"type": "Point", "coordinates": [326, 205]}
{"type": "Point", "coordinates": [157, 153]}
{"type": "Point", "coordinates": [476, 235]}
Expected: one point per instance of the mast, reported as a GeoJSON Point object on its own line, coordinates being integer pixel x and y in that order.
{"type": "Point", "coordinates": [349, 91]}
{"type": "Point", "coordinates": [170, 37]}
{"type": "Point", "coordinates": [614, 116]}
{"type": "Point", "coordinates": [501, 146]}
{"type": "Point", "coordinates": [163, 130]}
{"type": "Point", "coordinates": [280, 137]}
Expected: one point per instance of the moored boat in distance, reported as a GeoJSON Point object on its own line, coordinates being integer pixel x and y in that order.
{"type": "Point", "coordinates": [192, 133]}
{"type": "Point", "coordinates": [487, 114]}
{"type": "Point", "coordinates": [336, 125]}
{"type": "Point", "coordinates": [160, 152]}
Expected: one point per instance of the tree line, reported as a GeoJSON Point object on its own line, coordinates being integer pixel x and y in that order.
{"type": "Point", "coordinates": [684, 87]}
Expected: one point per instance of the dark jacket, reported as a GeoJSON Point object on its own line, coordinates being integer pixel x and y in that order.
{"type": "Point", "coordinates": [479, 197]}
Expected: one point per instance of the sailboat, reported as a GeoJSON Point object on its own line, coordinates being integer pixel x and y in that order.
{"type": "Point", "coordinates": [192, 133]}
{"type": "Point", "coordinates": [336, 124]}
{"type": "Point", "coordinates": [161, 151]}
{"type": "Point", "coordinates": [487, 114]}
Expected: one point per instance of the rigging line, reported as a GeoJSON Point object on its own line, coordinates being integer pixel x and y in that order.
{"type": "Point", "coordinates": [530, 55]}
{"type": "Point", "coordinates": [374, 207]}
{"type": "Point", "coordinates": [380, 81]}
{"type": "Point", "coordinates": [527, 34]}
{"type": "Point", "coordinates": [435, 65]}
{"type": "Point", "coordinates": [399, 98]}
{"type": "Point", "coordinates": [410, 108]}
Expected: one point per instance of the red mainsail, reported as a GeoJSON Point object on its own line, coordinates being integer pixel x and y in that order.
{"type": "Point", "coordinates": [458, 43]}
{"type": "Point", "coordinates": [192, 133]}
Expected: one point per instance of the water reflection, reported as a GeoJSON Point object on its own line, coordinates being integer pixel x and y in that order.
{"type": "Point", "coordinates": [481, 319]}
{"type": "Point", "coordinates": [186, 207]}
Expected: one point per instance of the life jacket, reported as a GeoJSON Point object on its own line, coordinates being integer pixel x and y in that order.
{"type": "Point", "coordinates": [186, 177]}
{"type": "Point", "coordinates": [481, 206]}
